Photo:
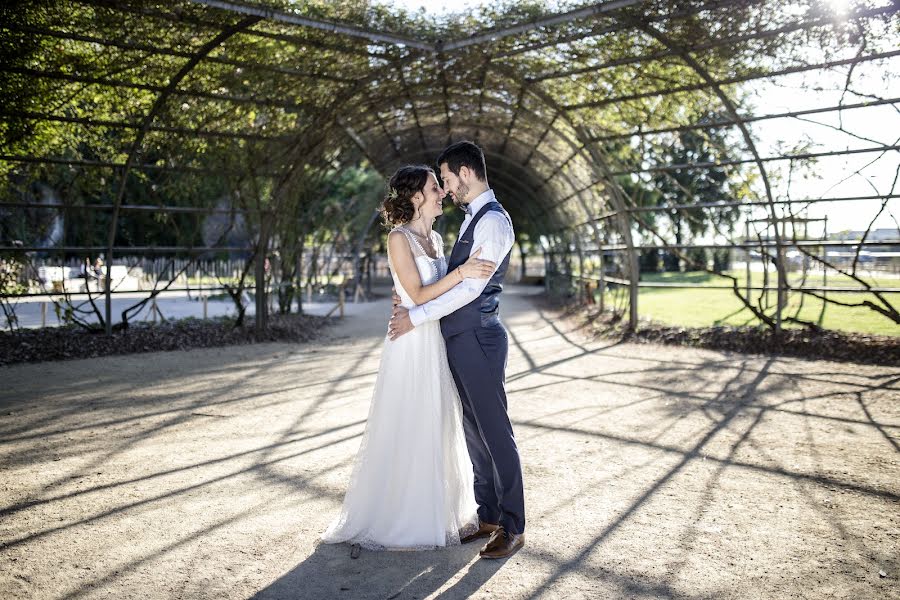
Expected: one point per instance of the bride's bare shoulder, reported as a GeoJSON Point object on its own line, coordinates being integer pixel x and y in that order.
{"type": "Point", "coordinates": [397, 239]}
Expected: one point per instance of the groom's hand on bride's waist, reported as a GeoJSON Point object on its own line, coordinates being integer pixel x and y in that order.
{"type": "Point", "coordinates": [399, 323]}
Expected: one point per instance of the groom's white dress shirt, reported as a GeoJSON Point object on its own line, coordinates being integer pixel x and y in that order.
{"type": "Point", "coordinates": [494, 235]}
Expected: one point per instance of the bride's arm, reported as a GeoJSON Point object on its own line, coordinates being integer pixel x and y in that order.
{"type": "Point", "coordinates": [408, 273]}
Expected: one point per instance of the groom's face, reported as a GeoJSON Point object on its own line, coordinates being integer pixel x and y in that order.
{"type": "Point", "coordinates": [454, 184]}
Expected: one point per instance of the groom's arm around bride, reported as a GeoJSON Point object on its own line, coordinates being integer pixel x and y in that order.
{"type": "Point", "coordinates": [493, 233]}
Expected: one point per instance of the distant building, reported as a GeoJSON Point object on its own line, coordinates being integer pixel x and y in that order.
{"type": "Point", "coordinates": [873, 256]}
{"type": "Point", "coordinates": [884, 233]}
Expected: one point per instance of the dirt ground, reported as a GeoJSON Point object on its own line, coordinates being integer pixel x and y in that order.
{"type": "Point", "coordinates": [650, 472]}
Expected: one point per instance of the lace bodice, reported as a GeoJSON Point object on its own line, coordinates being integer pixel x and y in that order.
{"type": "Point", "coordinates": [430, 269]}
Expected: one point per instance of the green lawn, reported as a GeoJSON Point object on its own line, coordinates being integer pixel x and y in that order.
{"type": "Point", "coordinates": [703, 308]}
{"type": "Point", "coordinates": [813, 279]}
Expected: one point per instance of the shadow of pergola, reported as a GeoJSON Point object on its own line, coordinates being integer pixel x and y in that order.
{"type": "Point", "coordinates": [623, 430]}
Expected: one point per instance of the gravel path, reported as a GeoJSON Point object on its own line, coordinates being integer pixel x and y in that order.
{"type": "Point", "coordinates": [650, 472]}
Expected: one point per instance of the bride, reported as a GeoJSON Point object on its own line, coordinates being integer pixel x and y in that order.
{"type": "Point", "coordinates": [412, 481]}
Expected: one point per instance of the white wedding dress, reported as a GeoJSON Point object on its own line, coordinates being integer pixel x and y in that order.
{"type": "Point", "coordinates": [412, 482]}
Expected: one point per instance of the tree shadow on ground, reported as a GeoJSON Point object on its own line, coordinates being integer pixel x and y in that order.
{"type": "Point", "coordinates": [703, 407]}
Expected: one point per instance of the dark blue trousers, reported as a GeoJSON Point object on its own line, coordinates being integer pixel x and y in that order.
{"type": "Point", "coordinates": [478, 362]}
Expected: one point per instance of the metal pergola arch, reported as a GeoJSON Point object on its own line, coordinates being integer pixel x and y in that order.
{"type": "Point", "coordinates": [362, 109]}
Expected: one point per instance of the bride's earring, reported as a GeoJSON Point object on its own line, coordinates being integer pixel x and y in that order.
{"type": "Point", "coordinates": [417, 208]}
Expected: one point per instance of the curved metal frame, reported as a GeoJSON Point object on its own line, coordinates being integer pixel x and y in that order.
{"type": "Point", "coordinates": [139, 138]}
{"type": "Point", "coordinates": [362, 115]}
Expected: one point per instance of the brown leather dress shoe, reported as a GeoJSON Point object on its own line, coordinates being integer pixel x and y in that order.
{"type": "Point", "coordinates": [484, 530]}
{"type": "Point", "coordinates": [503, 544]}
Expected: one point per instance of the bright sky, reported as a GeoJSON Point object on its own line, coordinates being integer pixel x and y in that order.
{"type": "Point", "coordinates": [437, 8]}
{"type": "Point", "coordinates": [880, 126]}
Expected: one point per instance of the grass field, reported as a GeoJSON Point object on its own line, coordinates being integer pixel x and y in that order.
{"type": "Point", "coordinates": [707, 307]}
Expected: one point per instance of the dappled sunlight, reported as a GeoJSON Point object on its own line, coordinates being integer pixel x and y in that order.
{"type": "Point", "coordinates": [645, 467]}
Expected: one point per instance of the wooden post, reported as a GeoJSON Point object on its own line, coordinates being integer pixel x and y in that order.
{"type": "Point", "coordinates": [765, 263]}
{"type": "Point", "coordinates": [107, 292]}
{"type": "Point", "coordinates": [747, 255]}
{"type": "Point", "coordinates": [546, 271]}
{"type": "Point", "coordinates": [341, 296]}
{"type": "Point", "coordinates": [262, 250]}
{"type": "Point", "coordinates": [634, 273]}
{"type": "Point", "coordinates": [205, 301]}
{"type": "Point", "coordinates": [43, 314]}
{"type": "Point", "coordinates": [580, 288]}
{"type": "Point", "coordinates": [825, 256]}
{"type": "Point", "coordinates": [602, 284]}
{"type": "Point", "coordinates": [780, 268]}
{"type": "Point", "coordinates": [298, 274]}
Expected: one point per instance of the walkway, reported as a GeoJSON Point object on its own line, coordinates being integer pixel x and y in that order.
{"type": "Point", "coordinates": [650, 471]}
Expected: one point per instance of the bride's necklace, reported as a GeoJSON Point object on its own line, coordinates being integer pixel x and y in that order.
{"type": "Point", "coordinates": [432, 260]}
{"type": "Point", "coordinates": [425, 238]}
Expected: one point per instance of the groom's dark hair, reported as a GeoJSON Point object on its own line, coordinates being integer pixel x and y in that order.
{"type": "Point", "coordinates": [464, 154]}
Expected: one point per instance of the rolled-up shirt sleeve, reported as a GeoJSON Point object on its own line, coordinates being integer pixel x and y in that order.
{"type": "Point", "coordinates": [494, 235]}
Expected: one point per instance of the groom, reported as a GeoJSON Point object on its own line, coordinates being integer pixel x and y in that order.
{"type": "Point", "coordinates": [477, 349]}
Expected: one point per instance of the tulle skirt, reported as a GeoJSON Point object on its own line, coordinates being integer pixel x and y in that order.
{"type": "Point", "coordinates": [412, 482]}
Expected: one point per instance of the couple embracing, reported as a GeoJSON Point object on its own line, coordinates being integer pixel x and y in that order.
{"type": "Point", "coordinates": [438, 463]}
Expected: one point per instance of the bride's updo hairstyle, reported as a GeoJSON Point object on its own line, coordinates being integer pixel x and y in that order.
{"type": "Point", "coordinates": [398, 207]}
